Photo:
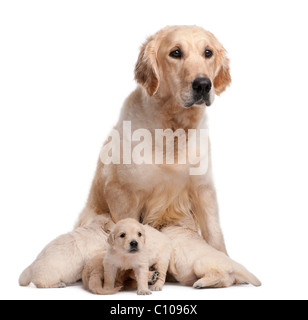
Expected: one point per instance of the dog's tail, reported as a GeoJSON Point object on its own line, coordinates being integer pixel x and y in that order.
{"type": "Point", "coordinates": [244, 276]}
{"type": "Point", "coordinates": [26, 276]}
{"type": "Point", "coordinates": [95, 285]}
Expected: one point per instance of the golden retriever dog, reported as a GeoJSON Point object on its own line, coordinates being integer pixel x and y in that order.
{"type": "Point", "coordinates": [179, 72]}
{"type": "Point", "coordinates": [194, 262]}
{"type": "Point", "coordinates": [62, 261]}
{"type": "Point", "coordinates": [180, 69]}
{"type": "Point", "coordinates": [93, 277]}
{"type": "Point", "coordinates": [137, 247]}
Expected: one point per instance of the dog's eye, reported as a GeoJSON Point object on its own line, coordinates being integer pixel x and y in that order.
{"type": "Point", "coordinates": [139, 234]}
{"type": "Point", "coordinates": [176, 54]}
{"type": "Point", "coordinates": [123, 235]}
{"type": "Point", "coordinates": [208, 53]}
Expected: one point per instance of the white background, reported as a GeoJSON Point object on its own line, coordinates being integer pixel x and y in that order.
{"type": "Point", "coordinates": [65, 70]}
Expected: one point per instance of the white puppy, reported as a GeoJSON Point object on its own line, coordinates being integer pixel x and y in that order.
{"type": "Point", "coordinates": [62, 261]}
{"type": "Point", "coordinates": [136, 247]}
{"type": "Point", "coordinates": [194, 262]}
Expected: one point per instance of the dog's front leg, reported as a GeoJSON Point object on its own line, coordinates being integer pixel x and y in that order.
{"type": "Point", "coordinates": [142, 275]}
{"type": "Point", "coordinates": [162, 268]}
{"type": "Point", "coordinates": [110, 273]}
{"type": "Point", "coordinates": [206, 209]}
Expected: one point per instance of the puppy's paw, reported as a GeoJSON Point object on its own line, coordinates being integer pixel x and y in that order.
{"type": "Point", "coordinates": [156, 287]}
{"type": "Point", "coordinates": [199, 285]}
{"type": "Point", "coordinates": [144, 292]}
{"type": "Point", "coordinates": [209, 282]}
{"type": "Point", "coordinates": [153, 277]}
{"type": "Point", "coordinates": [61, 285]}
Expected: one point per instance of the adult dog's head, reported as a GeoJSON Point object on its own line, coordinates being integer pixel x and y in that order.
{"type": "Point", "coordinates": [128, 236]}
{"type": "Point", "coordinates": [183, 62]}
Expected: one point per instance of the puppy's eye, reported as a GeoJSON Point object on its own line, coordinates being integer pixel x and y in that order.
{"type": "Point", "coordinates": [176, 54]}
{"type": "Point", "coordinates": [208, 53]}
{"type": "Point", "coordinates": [123, 235]}
{"type": "Point", "coordinates": [139, 234]}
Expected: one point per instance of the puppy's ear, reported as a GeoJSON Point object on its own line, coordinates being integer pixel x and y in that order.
{"type": "Point", "coordinates": [223, 77]}
{"type": "Point", "coordinates": [111, 239]}
{"type": "Point", "coordinates": [146, 70]}
{"type": "Point", "coordinates": [108, 226]}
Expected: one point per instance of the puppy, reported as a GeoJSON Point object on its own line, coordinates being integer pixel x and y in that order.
{"type": "Point", "coordinates": [93, 277]}
{"type": "Point", "coordinates": [133, 246]}
{"type": "Point", "coordinates": [194, 262]}
{"type": "Point", "coordinates": [62, 261]}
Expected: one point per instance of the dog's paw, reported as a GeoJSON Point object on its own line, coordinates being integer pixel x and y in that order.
{"type": "Point", "coordinates": [154, 277]}
{"type": "Point", "coordinates": [61, 285]}
{"type": "Point", "coordinates": [199, 285]}
{"type": "Point", "coordinates": [144, 292]}
{"type": "Point", "coordinates": [156, 287]}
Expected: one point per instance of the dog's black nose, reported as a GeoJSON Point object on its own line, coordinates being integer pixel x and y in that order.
{"type": "Point", "coordinates": [202, 85]}
{"type": "Point", "coordinates": [134, 244]}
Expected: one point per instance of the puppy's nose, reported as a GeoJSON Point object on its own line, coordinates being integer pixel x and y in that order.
{"type": "Point", "coordinates": [202, 85]}
{"type": "Point", "coordinates": [134, 244]}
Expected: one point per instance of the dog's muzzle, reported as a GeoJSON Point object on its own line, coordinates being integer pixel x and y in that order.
{"type": "Point", "coordinates": [201, 88]}
{"type": "Point", "coordinates": [133, 247]}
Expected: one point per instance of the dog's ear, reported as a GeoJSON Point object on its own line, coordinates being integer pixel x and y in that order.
{"type": "Point", "coordinates": [111, 239]}
{"type": "Point", "coordinates": [108, 226]}
{"type": "Point", "coordinates": [146, 70]}
{"type": "Point", "coordinates": [223, 77]}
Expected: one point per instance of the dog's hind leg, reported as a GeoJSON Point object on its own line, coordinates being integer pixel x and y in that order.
{"type": "Point", "coordinates": [210, 276]}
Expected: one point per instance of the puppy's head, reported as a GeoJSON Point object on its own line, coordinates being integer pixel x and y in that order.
{"type": "Point", "coordinates": [185, 62]}
{"type": "Point", "coordinates": [128, 236]}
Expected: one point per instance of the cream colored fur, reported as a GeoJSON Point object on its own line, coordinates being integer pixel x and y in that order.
{"type": "Point", "coordinates": [62, 261]}
{"type": "Point", "coordinates": [153, 250]}
{"type": "Point", "coordinates": [194, 263]}
{"type": "Point", "coordinates": [159, 195]}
